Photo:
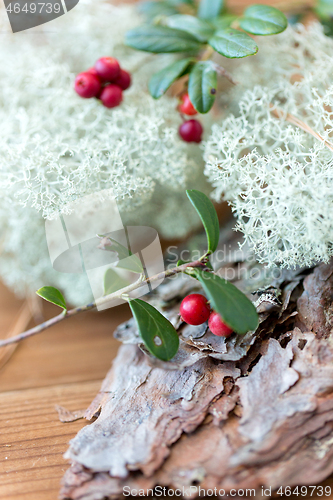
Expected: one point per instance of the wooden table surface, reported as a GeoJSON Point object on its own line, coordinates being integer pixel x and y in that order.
{"type": "Point", "coordinates": [64, 365]}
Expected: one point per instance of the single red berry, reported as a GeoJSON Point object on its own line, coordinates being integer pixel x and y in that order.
{"type": "Point", "coordinates": [186, 107]}
{"type": "Point", "coordinates": [123, 80]}
{"type": "Point", "coordinates": [108, 68]}
{"type": "Point", "coordinates": [111, 96]}
{"type": "Point", "coordinates": [87, 85]}
{"type": "Point", "coordinates": [218, 327]}
{"type": "Point", "coordinates": [194, 309]}
{"type": "Point", "coordinates": [191, 131]}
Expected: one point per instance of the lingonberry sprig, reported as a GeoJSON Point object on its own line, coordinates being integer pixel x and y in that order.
{"type": "Point", "coordinates": [195, 310]}
{"type": "Point", "coordinates": [229, 305]}
{"type": "Point", "coordinates": [106, 81]}
{"type": "Point", "coordinates": [200, 30]}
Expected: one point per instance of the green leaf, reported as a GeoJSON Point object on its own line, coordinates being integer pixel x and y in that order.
{"type": "Point", "coordinates": [199, 28]}
{"type": "Point", "coordinates": [233, 43]}
{"type": "Point", "coordinates": [52, 295]}
{"type": "Point", "coordinates": [222, 22]}
{"type": "Point", "coordinates": [231, 304]}
{"type": "Point", "coordinates": [159, 39]}
{"type": "Point", "coordinates": [208, 216]}
{"type": "Point", "coordinates": [202, 86]}
{"type": "Point", "coordinates": [324, 10]}
{"type": "Point", "coordinates": [113, 282]}
{"type": "Point", "coordinates": [157, 333]}
{"type": "Point", "coordinates": [153, 9]}
{"type": "Point", "coordinates": [162, 80]}
{"type": "Point", "coordinates": [263, 20]}
{"type": "Point", "coordinates": [208, 9]}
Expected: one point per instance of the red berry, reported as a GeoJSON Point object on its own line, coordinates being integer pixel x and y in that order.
{"type": "Point", "coordinates": [186, 106]}
{"type": "Point", "coordinates": [194, 309]}
{"type": "Point", "coordinates": [87, 85]}
{"type": "Point", "coordinates": [111, 96]}
{"type": "Point", "coordinates": [217, 326]}
{"type": "Point", "coordinates": [108, 68]}
{"type": "Point", "coordinates": [123, 80]}
{"type": "Point", "coordinates": [191, 131]}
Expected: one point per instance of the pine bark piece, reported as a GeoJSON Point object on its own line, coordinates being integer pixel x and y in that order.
{"type": "Point", "coordinates": [265, 418]}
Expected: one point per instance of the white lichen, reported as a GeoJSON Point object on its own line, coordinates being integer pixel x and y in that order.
{"type": "Point", "coordinates": [56, 147]}
{"type": "Point", "coordinates": [273, 160]}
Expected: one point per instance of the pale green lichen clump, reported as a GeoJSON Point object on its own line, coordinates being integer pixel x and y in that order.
{"type": "Point", "coordinates": [277, 176]}
{"type": "Point", "coordinates": [56, 147]}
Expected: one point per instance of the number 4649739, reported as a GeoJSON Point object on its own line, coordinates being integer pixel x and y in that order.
{"type": "Point", "coordinates": [304, 491]}
{"type": "Point", "coordinates": [32, 8]}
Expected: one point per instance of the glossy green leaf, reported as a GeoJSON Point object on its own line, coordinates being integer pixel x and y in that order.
{"type": "Point", "coordinates": [158, 39]}
{"type": "Point", "coordinates": [236, 310]}
{"type": "Point", "coordinates": [263, 20]}
{"type": "Point", "coordinates": [208, 216]}
{"type": "Point", "coordinates": [202, 86]}
{"type": "Point", "coordinates": [233, 43]}
{"type": "Point", "coordinates": [153, 9]}
{"type": "Point", "coordinates": [209, 9]}
{"type": "Point", "coordinates": [202, 30]}
{"type": "Point", "coordinates": [52, 295]}
{"type": "Point", "coordinates": [157, 333]}
{"type": "Point", "coordinates": [113, 282]}
{"type": "Point", "coordinates": [162, 80]}
{"type": "Point", "coordinates": [222, 22]}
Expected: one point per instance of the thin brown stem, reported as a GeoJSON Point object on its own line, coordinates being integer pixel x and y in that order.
{"type": "Point", "coordinates": [278, 113]}
{"type": "Point", "coordinates": [102, 301]}
{"type": "Point", "coordinates": [223, 72]}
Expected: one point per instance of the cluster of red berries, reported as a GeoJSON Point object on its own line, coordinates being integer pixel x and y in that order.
{"type": "Point", "coordinates": [106, 81]}
{"type": "Point", "coordinates": [190, 130]}
{"type": "Point", "coordinates": [195, 310]}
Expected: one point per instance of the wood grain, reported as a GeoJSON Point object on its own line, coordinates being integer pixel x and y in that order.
{"type": "Point", "coordinates": [65, 366]}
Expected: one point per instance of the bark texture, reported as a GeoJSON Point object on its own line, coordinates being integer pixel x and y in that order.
{"type": "Point", "coordinates": [236, 413]}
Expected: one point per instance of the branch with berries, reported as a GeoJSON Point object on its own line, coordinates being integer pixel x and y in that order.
{"type": "Point", "coordinates": [106, 81]}
{"type": "Point", "coordinates": [199, 31]}
{"type": "Point", "coordinates": [226, 308]}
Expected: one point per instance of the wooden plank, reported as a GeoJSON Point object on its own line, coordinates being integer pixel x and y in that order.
{"type": "Point", "coordinates": [76, 350]}
{"type": "Point", "coordinates": [33, 440]}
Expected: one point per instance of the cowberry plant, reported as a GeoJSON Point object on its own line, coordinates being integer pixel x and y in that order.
{"type": "Point", "coordinates": [106, 81]}
{"type": "Point", "coordinates": [157, 333]}
{"type": "Point", "coordinates": [198, 31]}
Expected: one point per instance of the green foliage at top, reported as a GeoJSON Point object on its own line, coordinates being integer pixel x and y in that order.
{"type": "Point", "coordinates": [263, 20]}
{"type": "Point", "coordinates": [209, 9]}
{"type": "Point", "coordinates": [191, 28]}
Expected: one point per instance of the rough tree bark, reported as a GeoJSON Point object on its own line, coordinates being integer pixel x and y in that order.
{"type": "Point", "coordinates": [236, 413]}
